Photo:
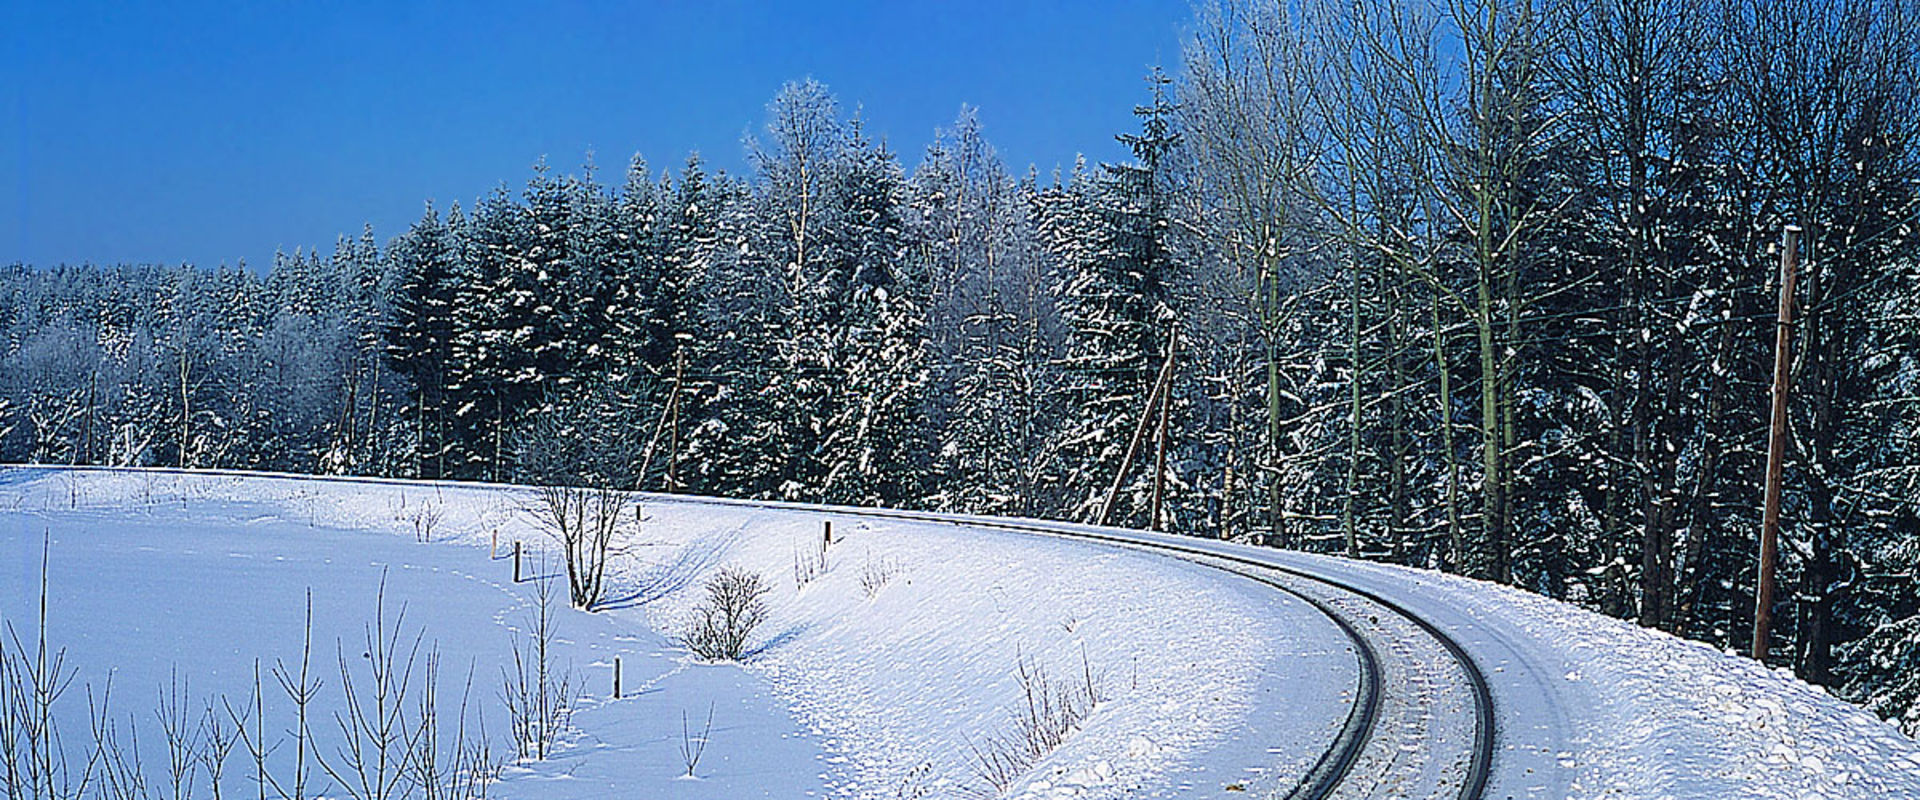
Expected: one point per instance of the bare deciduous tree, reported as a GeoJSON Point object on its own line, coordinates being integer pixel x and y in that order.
{"type": "Point", "coordinates": [583, 522]}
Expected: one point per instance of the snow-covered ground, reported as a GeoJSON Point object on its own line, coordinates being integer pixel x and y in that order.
{"type": "Point", "coordinates": [1208, 681]}
{"type": "Point", "coordinates": [1591, 706]}
{"type": "Point", "coordinates": [1212, 684]}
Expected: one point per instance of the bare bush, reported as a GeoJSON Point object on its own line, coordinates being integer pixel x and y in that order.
{"type": "Point", "coordinates": [693, 747]}
{"type": "Point", "coordinates": [218, 745]}
{"type": "Point", "coordinates": [390, 748]}
{"type": "Point", "coordinates": [33, 677]}
{"type": "Point", "coordinates": [301, 690]}
{"type": "Point", "coordinates": [460, 767]}
{"type": "Point", "coordinates": [736, 605]}
{"type": "Point", "coordinates": [1051, 711]}
{"type": "Point", "coordinates": [184, 735]}
{"type": "Point", "coordinates": [121, 775]}
{"type": "Point", "coordinates": [423, 517]}
{"type": "Point", "coordinates": [583, 522]}
{"type": "Point", "coordinates": [539, 696]}
{"type": "Point", "coordinates": [808, 563]}
{"type": "Point", "coordinates": [876, 574]}
{"type": "Point", "coordinates": [376, 740]}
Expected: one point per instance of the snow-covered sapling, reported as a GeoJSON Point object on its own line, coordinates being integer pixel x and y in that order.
{"type": "Point", "coordinates": [539, 695]}
{"type": "Point", "coordinates": [692, 747]}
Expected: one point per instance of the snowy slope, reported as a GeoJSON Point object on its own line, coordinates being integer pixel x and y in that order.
{"type": "Point", "coordinates": [1591, 706]}
{"type": "Point", "coordinates": [1208, 680]}
{"type": "Point", "coordinates": [1211, 681]}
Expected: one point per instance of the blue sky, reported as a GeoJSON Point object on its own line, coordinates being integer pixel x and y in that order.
{"type": "Point", "coordinates": [209, 133]}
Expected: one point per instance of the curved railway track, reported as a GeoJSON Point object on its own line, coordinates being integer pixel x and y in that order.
{"type": "Point", "coordinates": [1334, 766]}
{"type": "Point", "coordinates": [1330, 771]}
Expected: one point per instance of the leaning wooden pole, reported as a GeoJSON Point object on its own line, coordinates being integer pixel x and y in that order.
{"type": "Point", "coordinates": [1776, 446]}
{"type": "Point", "coordinates": [1160, 437]}
{"type": "Point", "coordinates": [669, 415]}
{"type": "Point", "coordinates": [1139, 434]}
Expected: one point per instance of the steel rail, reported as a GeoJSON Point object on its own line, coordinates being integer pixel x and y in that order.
{"type": "Point", "coordinates": [1338, 760]}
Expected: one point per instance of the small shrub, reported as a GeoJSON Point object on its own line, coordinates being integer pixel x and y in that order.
{"type": "Point", "coordinates": [808, 563]}
{"type": "Point", "coordinates": [876, 574]}
{"type": "Point", "coordinates": [1051, 711]}
{"type": "Point", "coordinates": [539, 695]}
{"type": "Point", "coordinates": [693, 747]}
{"type": "Point", "coordinates": [736, 605]}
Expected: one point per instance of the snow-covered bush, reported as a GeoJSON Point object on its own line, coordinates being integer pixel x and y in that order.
{"type": "Point", "coordinates": [736, 605]}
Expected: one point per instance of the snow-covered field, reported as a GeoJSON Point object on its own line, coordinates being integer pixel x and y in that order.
{"type": "Point", "coordinates": [880, 677]}
{"type": "Point", "coordinates": [1207, 680]}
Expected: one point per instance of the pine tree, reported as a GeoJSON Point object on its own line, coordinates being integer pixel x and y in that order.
{"type": "Point", "coordinates": [1118, 315]}
{"type": "Point", "coordinates": [420, 333]}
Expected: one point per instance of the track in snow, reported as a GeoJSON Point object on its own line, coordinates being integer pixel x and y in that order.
{"type": "Point", "coordinates": [1333, 771]}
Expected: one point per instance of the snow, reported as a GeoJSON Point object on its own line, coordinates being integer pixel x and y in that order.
{"type": "Point", "coordinates": [878, 688]}
{"type": "Point", "coordinates": [1206, 681]}
{"type": "Point", "coordinates": [1591, 706]}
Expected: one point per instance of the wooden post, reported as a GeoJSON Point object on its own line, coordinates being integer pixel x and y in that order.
{"type": "Point", "coordinates": [1776, 446]}
{"type": "Point", "coordinates": [516, 562]}
{"type": "Point", "coordinates": [616, 677]}
{"type": "Point", "coordinates": [493, 545]}
{"type": "Point", "coordinates": [826, 538]}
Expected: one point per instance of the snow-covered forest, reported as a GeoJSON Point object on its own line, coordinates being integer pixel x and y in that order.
{"type": "Point", "coordinates": [1487, 287]}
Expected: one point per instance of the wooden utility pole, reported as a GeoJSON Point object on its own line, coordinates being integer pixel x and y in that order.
{"type": "Point", "coordinates": [1776, 445]}
{"type": "Point", "coordinates": [669, 416]}
{"type": "Point", "coordinates": [1139, 434]}
{"type": "Point", "coordinates": [1160, 458]}
{"type": "Point", "coordinates": [673, 416]}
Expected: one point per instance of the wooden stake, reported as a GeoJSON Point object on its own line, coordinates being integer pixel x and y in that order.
{"type": "Point", "coordinates": [1776, 446]}
{"type": "Point", "coordinates": [826, 538]}
{"type": "Point", "coordinates": [516, 562]}
{"type": "Point", "coordinates": [616, 677]}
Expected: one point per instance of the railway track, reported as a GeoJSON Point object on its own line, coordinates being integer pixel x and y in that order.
{"type": "Point", "coordinates": [1332, 771]}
